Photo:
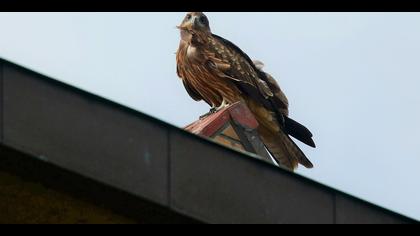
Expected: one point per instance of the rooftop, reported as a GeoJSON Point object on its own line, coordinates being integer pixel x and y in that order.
{"type": "Point", "coordinates": [117, 158]}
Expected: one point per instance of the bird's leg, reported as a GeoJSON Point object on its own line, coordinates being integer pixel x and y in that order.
{"type": "Point", "coordinates": [223, 105]}
{"type": "Point", "coordinates": [214, 109]}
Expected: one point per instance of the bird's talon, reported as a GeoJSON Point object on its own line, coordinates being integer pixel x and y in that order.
{"type": "Point", "coordinates": [211, 111]}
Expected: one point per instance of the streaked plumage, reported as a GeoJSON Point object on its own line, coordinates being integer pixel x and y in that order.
{"type": "Point", "coordinates": [215, 70]}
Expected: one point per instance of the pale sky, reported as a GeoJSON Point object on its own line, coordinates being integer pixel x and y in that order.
{"type": "Point", "coordinates": [351, 78]}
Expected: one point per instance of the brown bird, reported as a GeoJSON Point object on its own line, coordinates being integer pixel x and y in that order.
{"type": "Point", "coordinates": [215, 70]}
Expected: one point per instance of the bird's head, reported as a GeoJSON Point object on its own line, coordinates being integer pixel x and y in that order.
{"type": "Point", "coordinates": [195, 22]}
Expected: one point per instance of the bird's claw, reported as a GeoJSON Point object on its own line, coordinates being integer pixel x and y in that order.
{"type": "Point", "coordinates": [211, 111]}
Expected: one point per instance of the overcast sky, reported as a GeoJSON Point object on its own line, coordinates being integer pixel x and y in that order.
{"type": "Point", "coordinates": [352, 78]}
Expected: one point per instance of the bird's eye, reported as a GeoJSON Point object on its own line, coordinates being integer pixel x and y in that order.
{"type": "Point", "coordinates": [188, 17]}
{"type": "Point", "coordinates": [203, 20]}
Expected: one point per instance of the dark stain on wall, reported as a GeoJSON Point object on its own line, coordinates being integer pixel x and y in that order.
{"type": "Point", "coordinates": [36, 192]}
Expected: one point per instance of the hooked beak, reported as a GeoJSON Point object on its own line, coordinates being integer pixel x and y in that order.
{"type": "Point", "coordinates": [190, 24]}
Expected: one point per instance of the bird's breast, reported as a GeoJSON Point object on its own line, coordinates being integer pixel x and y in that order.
{"type": "Point", "coordinates": [191, 51]}
{"type": "Point", "coordinates": [196, 54]}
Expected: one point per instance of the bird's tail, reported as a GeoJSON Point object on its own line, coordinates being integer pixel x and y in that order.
{"type": "Point", "coordinates": [283, 149]}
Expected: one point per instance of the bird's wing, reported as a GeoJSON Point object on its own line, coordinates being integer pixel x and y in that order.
{"type": "Point", "coordinates": [257, 84]}
{"type": "Point", "coordinates": [251, 73]}
{"type": "Point", "coordinates": [291, 126]}
{"type": "Point", "coordinates": [230, 62]}
{"type": "Point", "coordinates": [279, 97]}
{"type": "Point", "coordinates": [190, 89]}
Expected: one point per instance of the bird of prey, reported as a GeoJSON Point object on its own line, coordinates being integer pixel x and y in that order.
{"type": "Point", "coordinates": [215, 70]}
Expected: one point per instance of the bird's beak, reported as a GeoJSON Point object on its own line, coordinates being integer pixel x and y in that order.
{"type": "Point", "coordinates": [190, 24]}
{"type": "Point", "coordinates": [183, 27]}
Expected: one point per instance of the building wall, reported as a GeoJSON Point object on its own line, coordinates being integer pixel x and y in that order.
{"type": "Point", "coordinates": [30, 202]}
{"type": "Point", "coordinates": [76, 132]}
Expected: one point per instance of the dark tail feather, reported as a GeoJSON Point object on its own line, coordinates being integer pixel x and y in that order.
{"type": "Point", "coordinates": [284, 150]}
{"type": "Point", "coordinates": [298, 131]}
{"type": "Point", "coordinates": [280, 153]}
{"type": "Point", "coordinates": [293, 148]}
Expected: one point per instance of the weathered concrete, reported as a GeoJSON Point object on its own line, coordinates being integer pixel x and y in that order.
{"type": "Point", "coordinates": [96, 149]}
